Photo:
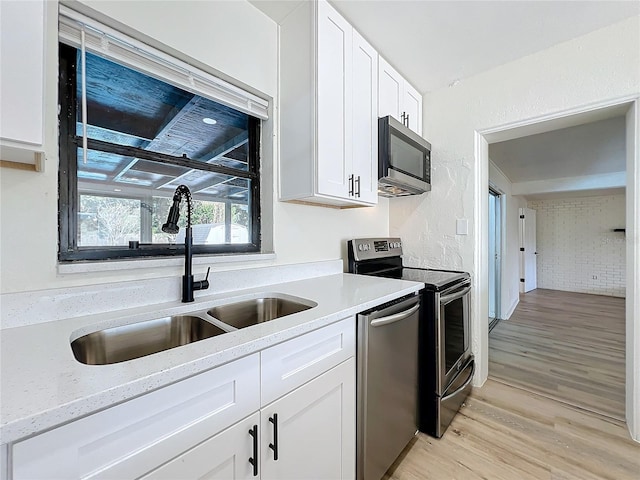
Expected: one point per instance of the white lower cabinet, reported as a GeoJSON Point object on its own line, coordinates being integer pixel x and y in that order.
{"type": "Point", "coordinates": [223, 457]}
{"type": "Point", "coordinates": [310, 433]}
{"type": "Point", "coordinates": [133, 438]}
{"type": "Point", "coordinates": [307, 434]}
{"type": "Point", "coordinates": [225, 423]}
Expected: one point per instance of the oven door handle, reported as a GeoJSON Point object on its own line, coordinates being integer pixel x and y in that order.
{"type": "Point", "coordinates": [464, 385]}
{"type": "Point", "coordinates": [452, 296]}
{"type": "Point", "coordinates": [396, 317]}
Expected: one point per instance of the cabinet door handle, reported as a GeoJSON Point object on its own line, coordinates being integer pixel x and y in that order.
{"type": "Point", "coordinates": [407, 117]}
{"type": "Point", "coordinates": [274, 446]}
{"type": "Point", "coordinates": [402, 117]}
{"type": "Point", "coordinates": [351, 185]}
{"type": "Point", "coordinates": [358, 190]}
{"type": "Point", "coordinates": [254, 460]}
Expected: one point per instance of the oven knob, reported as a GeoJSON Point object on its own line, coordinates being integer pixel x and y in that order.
{"type": "Point", "coordinates": [366, 246]}
{"type": "Point", "coordinates": [361, 247]}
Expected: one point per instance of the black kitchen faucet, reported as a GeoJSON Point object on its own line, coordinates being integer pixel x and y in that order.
{"type": "Point", "coordinates": [188, 284]}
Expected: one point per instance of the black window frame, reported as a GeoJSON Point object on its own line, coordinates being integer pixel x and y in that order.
{"type": "Point", "coordinates": [69, 141]}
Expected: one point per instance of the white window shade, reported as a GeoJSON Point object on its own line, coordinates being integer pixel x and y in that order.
{"type": "Point", "coordinates": [116, 46]}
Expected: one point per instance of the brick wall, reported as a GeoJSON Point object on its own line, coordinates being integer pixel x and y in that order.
{"type": "Point", "coordinates": [577, 248]}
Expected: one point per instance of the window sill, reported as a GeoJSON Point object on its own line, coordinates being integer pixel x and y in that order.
{"type": "Point", "coordinates": [117, 265]}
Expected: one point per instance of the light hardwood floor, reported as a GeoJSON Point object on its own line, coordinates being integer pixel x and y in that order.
{"type": "Point", "coordinates": [570, 349]}
{"type": "Point", "coordinates": [568, 346]}
{"type": "Point", "coordinates": [506, 433]}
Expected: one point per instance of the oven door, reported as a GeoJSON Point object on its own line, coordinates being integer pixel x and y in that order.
{"type": "Point", "coordinates": [453, 332]}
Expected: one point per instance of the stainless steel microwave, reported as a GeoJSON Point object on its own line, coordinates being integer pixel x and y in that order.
{"type": "Point", "coordinates": [404, 160]}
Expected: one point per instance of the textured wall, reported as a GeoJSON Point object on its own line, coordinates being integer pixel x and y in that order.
{"type": "Point", "coordinates": [576, 242]}
{"type": "Point", "coordinates": [595, 67]}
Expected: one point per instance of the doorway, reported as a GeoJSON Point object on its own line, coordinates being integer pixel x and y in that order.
{"type": "Point", "coordinates": [628, 106]}
{"type": "Point", "coordinates": [495, 256]}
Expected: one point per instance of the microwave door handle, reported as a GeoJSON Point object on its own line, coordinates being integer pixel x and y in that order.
{"type": "Point", "coordinates": [379, 322]}
{"type": "Point", "coordinates": [455, 295]}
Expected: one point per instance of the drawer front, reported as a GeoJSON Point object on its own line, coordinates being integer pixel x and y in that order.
{"type": "Point", "coordinates": [133, 438]}
{"type": "Point", "coordinates": [292, 363]}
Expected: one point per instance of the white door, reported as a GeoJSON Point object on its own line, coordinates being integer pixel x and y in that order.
{"type": "Point", "coordinates": [315, 427]}
{"type": "Point", "coordinates": [390, 85]}
{"type": "Point", "coordinates": [528, 255]}
{"type": "Point", "coordinates": [334, 102]}
{"type": "Point", "coordinates": [365, 120]}
{"type": "Point", "coordinates": [412, 106]}
{"type": "Point", "coordinates": [492, 255]}
{"type": "Point", "coordinates": [223, 457]}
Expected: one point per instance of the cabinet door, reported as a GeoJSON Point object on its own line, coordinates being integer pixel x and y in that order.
{"type": "Point", "coordinates": [365, 119]}
{"type": "Point", "coordinates": [390, 85]}
{"type": "Point", "coordinates": [333, 103]}
{"type": "Point", "coordinates": [22, 71]}
{"type": "Point", "coordinates": [412, 101]}
{"type": "Point", "coordinates": [316, 429]}
{"type": "Point", "coordinates": [222, 457]}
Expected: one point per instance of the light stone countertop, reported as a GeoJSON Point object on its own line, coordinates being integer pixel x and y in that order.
{"type": "Point", "coordinates": [42, 385]}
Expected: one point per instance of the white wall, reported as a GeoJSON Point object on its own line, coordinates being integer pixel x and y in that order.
{"type": "Point", "coordinates": [592, 68]}
{"type": "Point", "coordinates": [510, 291]}
{"type": "Point", "coordinates": [576, 242]}
{"type": "Point", "coordinates": [231, 37]}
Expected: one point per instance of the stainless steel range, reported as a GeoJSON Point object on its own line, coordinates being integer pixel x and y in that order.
{"type": "Point", "coordinates": [446, 365]}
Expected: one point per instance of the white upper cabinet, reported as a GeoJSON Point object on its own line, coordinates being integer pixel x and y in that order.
{"type": "Point", "coordinates": [365, 119]}
{"type": "Point", "coordinates": [396, 97]}
{"type": "Point", "coordinates": [334, 101]}
{"type": "Point", "coordinates": [413, 108]}
{"type": "Point", "coordinates": [328, 110]}
{"type": "Point", "coordinates": [22, 73]}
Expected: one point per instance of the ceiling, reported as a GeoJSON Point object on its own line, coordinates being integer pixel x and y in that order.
{"type": "Point", "coordinates": [591, 149]}
{"type": "Point", "coordinates": [435, 43]}
{"type": "Point", "coordinates": [130, 109]}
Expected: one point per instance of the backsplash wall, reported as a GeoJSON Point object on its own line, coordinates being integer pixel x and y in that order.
{"type": "Point", "coordinates": [577, 248]}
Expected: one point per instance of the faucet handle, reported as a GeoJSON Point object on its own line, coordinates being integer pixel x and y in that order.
{"type": "Point", "coordinates": [202, 284]}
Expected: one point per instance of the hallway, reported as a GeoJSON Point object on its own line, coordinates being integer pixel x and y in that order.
{"type": "Point", "coordinates": [566, 346]}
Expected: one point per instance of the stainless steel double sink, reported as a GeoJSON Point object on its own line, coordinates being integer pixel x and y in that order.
{"type": "Point", "coordinates": [126, 342]}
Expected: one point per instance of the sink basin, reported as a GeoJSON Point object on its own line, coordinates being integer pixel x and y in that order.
{"type": "Point", "coordinates": [119, 344]}
{"type": "Point", "coordinates": [256, 310]}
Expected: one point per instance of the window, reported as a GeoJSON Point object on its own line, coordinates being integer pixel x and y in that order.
{"type": "Point", "coordinates": [144, 137]}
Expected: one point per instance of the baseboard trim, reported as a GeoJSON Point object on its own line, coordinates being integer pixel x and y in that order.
{"type": "Point", "coordinates": [511, 309]}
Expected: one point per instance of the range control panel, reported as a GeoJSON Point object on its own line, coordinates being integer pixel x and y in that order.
{"type": "Point", "coordinates": [372, 248]}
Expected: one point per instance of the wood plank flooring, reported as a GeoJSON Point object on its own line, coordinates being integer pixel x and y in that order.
{"type": "Point", "coordinates": [506, 433]}
{"type": "Point", "coordinates": [568, 346]}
